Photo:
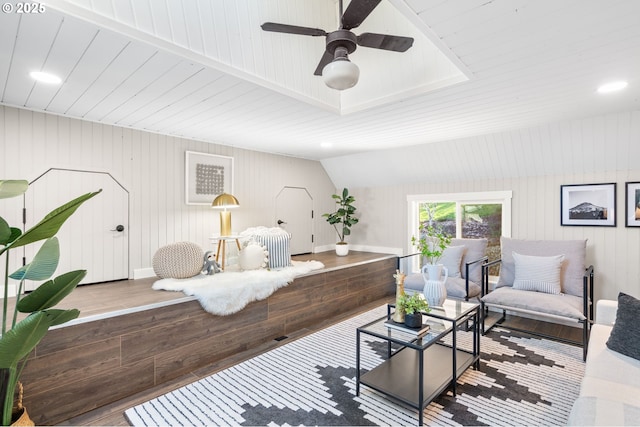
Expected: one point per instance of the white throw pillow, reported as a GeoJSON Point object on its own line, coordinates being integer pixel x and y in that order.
{"type": "Point", "coordinates": [538, 273]}
{"type": "Point", "coordinates": [275, 240]}
{"type": "Point", "coordinates": [253, 257]}
{"type": "Point", "coordinates": [452, 259]}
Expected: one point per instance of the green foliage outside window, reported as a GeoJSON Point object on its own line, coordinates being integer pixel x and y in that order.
{"type": "Point", "coordinates": [479, 220]}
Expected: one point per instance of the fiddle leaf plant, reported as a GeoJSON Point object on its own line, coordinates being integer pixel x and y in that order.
{"type": "Point", "coordinates": [19, 338]}
{"type": "Point", "coordinates": [343, 218]}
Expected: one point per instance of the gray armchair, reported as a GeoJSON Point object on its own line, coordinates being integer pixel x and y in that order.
{"type": "Point", "coordinates": [546, 278]}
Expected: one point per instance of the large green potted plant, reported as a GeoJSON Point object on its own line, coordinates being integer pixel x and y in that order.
{"type": "Point", "coordinates": [19, 338]}
{"type": "Point", "coordinates": [342, 219]}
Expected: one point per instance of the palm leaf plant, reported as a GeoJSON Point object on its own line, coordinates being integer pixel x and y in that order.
{"type": "Point", "coordinates": [19, 338]}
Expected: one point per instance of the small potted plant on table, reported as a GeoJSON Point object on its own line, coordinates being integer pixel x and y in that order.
{"type": "Point", "coordinates": [413, 305]}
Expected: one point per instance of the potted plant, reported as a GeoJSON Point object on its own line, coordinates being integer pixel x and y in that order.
{"type": "Point", "coordinates": [20, 338]}
{"type": "Point", "coordinates": [413, 306]}
{"type": "Point", "coordinates": [342, 219]}
{"type": "Point", "coordinates": [431, 245]}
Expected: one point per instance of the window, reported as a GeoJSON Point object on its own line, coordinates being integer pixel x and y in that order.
{"type": "Point", "coordinates": [463, 215]}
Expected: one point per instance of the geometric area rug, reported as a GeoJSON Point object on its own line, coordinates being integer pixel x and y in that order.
{"type": "Point", "coordinates": [523, 380]}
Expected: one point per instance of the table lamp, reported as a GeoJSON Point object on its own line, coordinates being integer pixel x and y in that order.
{"type": "Point", "coordinates": [225, 201]}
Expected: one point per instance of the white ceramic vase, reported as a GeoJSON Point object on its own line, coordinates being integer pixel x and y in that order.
{"type": "Point", "coordinates": [342, 250]}
{"type": "Point", "coordinates": [435, 291]}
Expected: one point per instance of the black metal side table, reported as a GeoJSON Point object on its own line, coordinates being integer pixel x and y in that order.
{"type": "Point", "coordinates": [424, 366]}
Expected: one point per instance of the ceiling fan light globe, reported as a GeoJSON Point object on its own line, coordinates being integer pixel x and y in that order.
{"type": "Point", "coordinates": [341, 74]}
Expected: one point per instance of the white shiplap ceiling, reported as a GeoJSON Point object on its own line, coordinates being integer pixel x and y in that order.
{"type": "Point", "coordinates": [203, 69]}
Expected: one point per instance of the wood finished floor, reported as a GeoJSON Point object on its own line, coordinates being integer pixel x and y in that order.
{"type": "Point", "coordinates": [113, 414]}
{"type": "Point", "coordinates": [107, 297]}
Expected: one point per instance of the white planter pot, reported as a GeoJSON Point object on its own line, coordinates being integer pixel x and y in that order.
{"type": "Point", "coordinates": [342, 250]}
{"type": "Point", "coordinates": [435, 291]}
{"type": "Point", "coordinates": [434, 272]}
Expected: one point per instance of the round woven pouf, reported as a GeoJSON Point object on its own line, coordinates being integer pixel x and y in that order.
{"type": "Point", "coordinates": [178, 260]}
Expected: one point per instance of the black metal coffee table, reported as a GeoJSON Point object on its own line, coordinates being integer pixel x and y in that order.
{"type": "Point", "coordinates": [423, 367]}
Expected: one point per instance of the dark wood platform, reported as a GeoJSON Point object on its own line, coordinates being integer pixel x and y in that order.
{"type": "Point", "coordinates": [131, 338]}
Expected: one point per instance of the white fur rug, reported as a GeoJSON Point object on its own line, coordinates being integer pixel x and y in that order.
{"type": "Point", "coordinates": [229, 292]}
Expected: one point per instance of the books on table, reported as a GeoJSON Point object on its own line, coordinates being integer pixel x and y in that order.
{"type": "Point", "coordinates": [418, 332]}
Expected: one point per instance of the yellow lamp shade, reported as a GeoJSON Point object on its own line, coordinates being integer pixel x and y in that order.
{"type": "Point", "coordinates": [225, 200]}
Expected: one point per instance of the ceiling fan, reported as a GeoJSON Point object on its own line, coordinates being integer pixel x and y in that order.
{"type": "Point", "coordinates": [334, 66]}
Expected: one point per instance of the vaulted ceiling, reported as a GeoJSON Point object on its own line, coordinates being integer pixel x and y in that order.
{"type": "Point", "coordinates": [204, 69]}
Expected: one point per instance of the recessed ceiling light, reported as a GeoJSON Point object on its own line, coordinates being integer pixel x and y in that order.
{"type": "Point", "coordinates": [45, 77]}
{"type": "Point", "coordinates": [612, 87]}
{"type": "Point", "coordinates": [326, 145]}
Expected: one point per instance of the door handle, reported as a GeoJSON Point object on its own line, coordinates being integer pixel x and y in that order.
{"type": "Point", "coordinates": [280, 222]}
{"type": "Point", "coordinates": [119, 228]}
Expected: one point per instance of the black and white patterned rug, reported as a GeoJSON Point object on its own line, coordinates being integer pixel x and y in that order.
{"type": "Point", "coordinates": [311, 381]}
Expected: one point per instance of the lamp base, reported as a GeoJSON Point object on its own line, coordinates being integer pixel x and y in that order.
{"type": "Point", "coordinates": [225, 223]}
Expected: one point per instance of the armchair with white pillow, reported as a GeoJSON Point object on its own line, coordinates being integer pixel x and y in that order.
{"type": "Point", "coordinates": [546, 278]}
{"type": "Point", "coordinates": [463, 259]}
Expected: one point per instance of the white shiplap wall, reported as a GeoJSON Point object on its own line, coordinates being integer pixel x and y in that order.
{"type": "Point", "coordinates": [151, 167]}
{"type": "Point", "coordinates": [533, 163]}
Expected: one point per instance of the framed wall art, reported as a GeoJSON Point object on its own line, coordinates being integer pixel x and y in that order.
{"type": "Point", "coordinates": [207, 176]}
{"type": "Point", "coordinates": [588, 205]}
{"type": "Point", "coordinates": [632, 204]}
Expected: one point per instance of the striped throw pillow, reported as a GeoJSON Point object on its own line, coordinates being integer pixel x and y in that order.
{"type": "Point", "coordinates": [278, 247]}
{"type": "Point", "coordinates": [538, 273]}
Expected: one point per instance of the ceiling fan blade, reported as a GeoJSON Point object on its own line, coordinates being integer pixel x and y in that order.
{"type": "Point", "coordinates": [357, 12]}
{"type": "Point", "coordinates": [292, 29]}
{"type": "Point", "coordinates": [326, 58]}
{"type": "Point", "coordinates": [385, 41]}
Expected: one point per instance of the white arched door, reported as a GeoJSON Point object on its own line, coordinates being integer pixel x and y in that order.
{"type": "Point", "coordinates": [96, 237]}
{"type": "Point", "coordinates": [294, 213]}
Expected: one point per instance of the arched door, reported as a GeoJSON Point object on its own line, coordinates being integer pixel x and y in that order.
{"type": "Point", "coordinates": [96, 237]}
{"type": "Point", "coordinates": [294, 213]}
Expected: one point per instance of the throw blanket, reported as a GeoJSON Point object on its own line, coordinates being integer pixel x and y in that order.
{"type": "Point", "coordinates": [229, 292]}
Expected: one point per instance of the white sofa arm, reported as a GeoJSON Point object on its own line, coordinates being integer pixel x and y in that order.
{"type": "Point", "coordinates": [606, 312]}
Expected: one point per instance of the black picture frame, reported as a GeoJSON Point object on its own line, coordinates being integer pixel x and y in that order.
{"type": "Point", "coordinates": [632, 204]}
{"type": "Point", "coordinates": [588, 205]}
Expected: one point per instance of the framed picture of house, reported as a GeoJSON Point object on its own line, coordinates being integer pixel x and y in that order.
{"type": "Point", "coordinates": [207, 176]}
{"type": "Point", "coordinates": [632, 204]}
{"type": "Point", "coordinates": [588, 205]}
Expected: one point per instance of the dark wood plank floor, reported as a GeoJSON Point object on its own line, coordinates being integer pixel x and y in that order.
{"type": "Point", "coordinates": [113, 414]}
{"type": "Point", "coordinates": [544, 328]}
{"type": "Point", "coordinates": [108, 297]}
{"type": "Point", "coordinates": [104, 298]}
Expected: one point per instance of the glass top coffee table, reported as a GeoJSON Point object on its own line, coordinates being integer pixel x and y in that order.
{"type": "Point", "coordinates": [423, 366]}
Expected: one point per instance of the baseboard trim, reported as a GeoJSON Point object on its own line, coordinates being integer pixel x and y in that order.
{"type": "Point", "coordinates": [143, 273]}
